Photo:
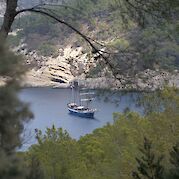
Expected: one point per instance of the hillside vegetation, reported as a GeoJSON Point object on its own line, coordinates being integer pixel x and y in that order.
{"type": "Point", "coordinates": [143, 40]}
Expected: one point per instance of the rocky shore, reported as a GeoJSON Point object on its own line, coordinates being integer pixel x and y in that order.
{"type": "Point", "coordinates": [145, 81]}
{"type": "Point", "coordinates": [72, 64]}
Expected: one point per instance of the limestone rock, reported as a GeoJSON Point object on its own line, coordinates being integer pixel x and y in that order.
{"type": "Point", "coordinates": [54, 71]}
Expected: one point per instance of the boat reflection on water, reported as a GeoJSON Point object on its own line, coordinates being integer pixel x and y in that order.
{"type": "Point", "coordinates": [82, 109]}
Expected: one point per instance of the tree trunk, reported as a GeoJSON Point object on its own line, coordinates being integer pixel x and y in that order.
{"type": "Point", "coordinates": [9, 17]}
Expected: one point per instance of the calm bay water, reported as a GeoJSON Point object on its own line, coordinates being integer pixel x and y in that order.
{"type": "Point", "coordinates": [50, 107]}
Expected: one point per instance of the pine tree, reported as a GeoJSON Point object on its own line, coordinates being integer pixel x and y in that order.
{"type": "Point", "coordinates": [13, 114]}
{"type": "Point", "coordinates": [149, 165]}
{"type": "Point", "coordinates": [35, 169]}
{"type": "Point", "coordinates": [174, 159]}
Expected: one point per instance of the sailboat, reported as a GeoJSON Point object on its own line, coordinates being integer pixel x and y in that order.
{"type": "Point", "coordinates": [80, 109]}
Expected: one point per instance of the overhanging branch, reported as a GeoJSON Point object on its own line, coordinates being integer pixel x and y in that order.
{"type": "Point", "coordinates": [40, 10]}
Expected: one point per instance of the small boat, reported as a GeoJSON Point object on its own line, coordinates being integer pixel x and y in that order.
{"type": "Point", "coordinates": [80, 110]}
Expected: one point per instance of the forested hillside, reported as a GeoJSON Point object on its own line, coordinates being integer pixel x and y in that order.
{"type": "Point", "coordinates": [141, 45]}
{"type": "Point", "coordinates": [141, 39]}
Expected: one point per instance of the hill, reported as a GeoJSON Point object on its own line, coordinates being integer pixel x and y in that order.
{"type": "Point", "coordinates": [140, 45]}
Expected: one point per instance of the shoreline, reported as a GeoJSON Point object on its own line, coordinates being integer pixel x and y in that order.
{"type": "Point", "coordinates": [147, 81]}
{"type": "Point", "coordinates": [102, 89]}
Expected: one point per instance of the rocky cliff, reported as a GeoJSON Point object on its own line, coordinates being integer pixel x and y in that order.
{"type": "Point", "coordinates": [55, 56]}
{"type": "Point", "coordinates": [71, 63]}
{"type": "Point", "coordinates": [56, 71]}
{"type": "Point", "coordinates": [148, 80]}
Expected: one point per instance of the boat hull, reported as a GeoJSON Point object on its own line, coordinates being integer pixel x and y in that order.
{"type": "Point", "coordinates": [81, 114]}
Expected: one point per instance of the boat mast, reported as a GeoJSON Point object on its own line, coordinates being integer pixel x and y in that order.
{"type": "Point", "coordinates": [75, 91]}
{"type": "Point", "coordinates": [73, 98]}
{"type": "Point", "coordinates": [88, 98]}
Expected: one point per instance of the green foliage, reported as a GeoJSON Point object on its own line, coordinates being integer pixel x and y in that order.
{"type": "Point", "coordinates": [13, 112]}
{"type": "Point", "coordinates": [154, 47]}
{"type": "Point", "coordinates": [158, 47]}
{"type": "Point", "coordinates": [13, 115]}
{"type": "Point", "coordinates": [174, 154]}
{"type": "Point", "coordinates": [161, 100]}
{"type": "Point", "coordinates": [11, 167]}
{"type": "Point", "coordinates": [58, 154]}
{"type": "Point", "coordinates": [33, 24]}
{"type": "Point", "coordinates": [149, 166]}
{"type": "Point", "coordinates": [120, 44]}
{"type": "Point", "coordinates": [47, 49]}
{"type": "Point", "coordinates": [95, 71]}
{"type": "Point", "coordinates": [34, 167]}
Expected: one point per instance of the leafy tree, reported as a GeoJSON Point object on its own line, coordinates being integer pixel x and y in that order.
{"type": "Point", "coordinates": [149, 166]}
{"type": "Point", "coordinates": [58, 154]}
{"type": "Point", "coordinates": [174, 172]}
{"type": "Point", "coordinates": [34, 167]}
{"type": "Point", "coordinates": [161, 100]}
{"type": "Point", "coordinates": [47, 50]}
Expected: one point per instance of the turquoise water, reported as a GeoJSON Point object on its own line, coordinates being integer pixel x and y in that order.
{"type": "Point", "coordinates": [49, 107]}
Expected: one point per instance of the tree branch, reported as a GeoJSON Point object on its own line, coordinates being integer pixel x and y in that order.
{"type": "Point", "coordinates": [95, 50]}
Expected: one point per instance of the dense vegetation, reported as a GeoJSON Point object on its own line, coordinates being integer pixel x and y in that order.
{"type": "Point", "coordinates": [13, 114]}
{"type": "Point", "coordinates": [145, 36]}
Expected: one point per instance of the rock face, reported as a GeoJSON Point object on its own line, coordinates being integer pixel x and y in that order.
{"type": "Point", "coordinates": [72, 64]}
{"type": "Point", "coordinates": [148, 80]}
{"type": "Point", "coordinates": [56, 71]}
